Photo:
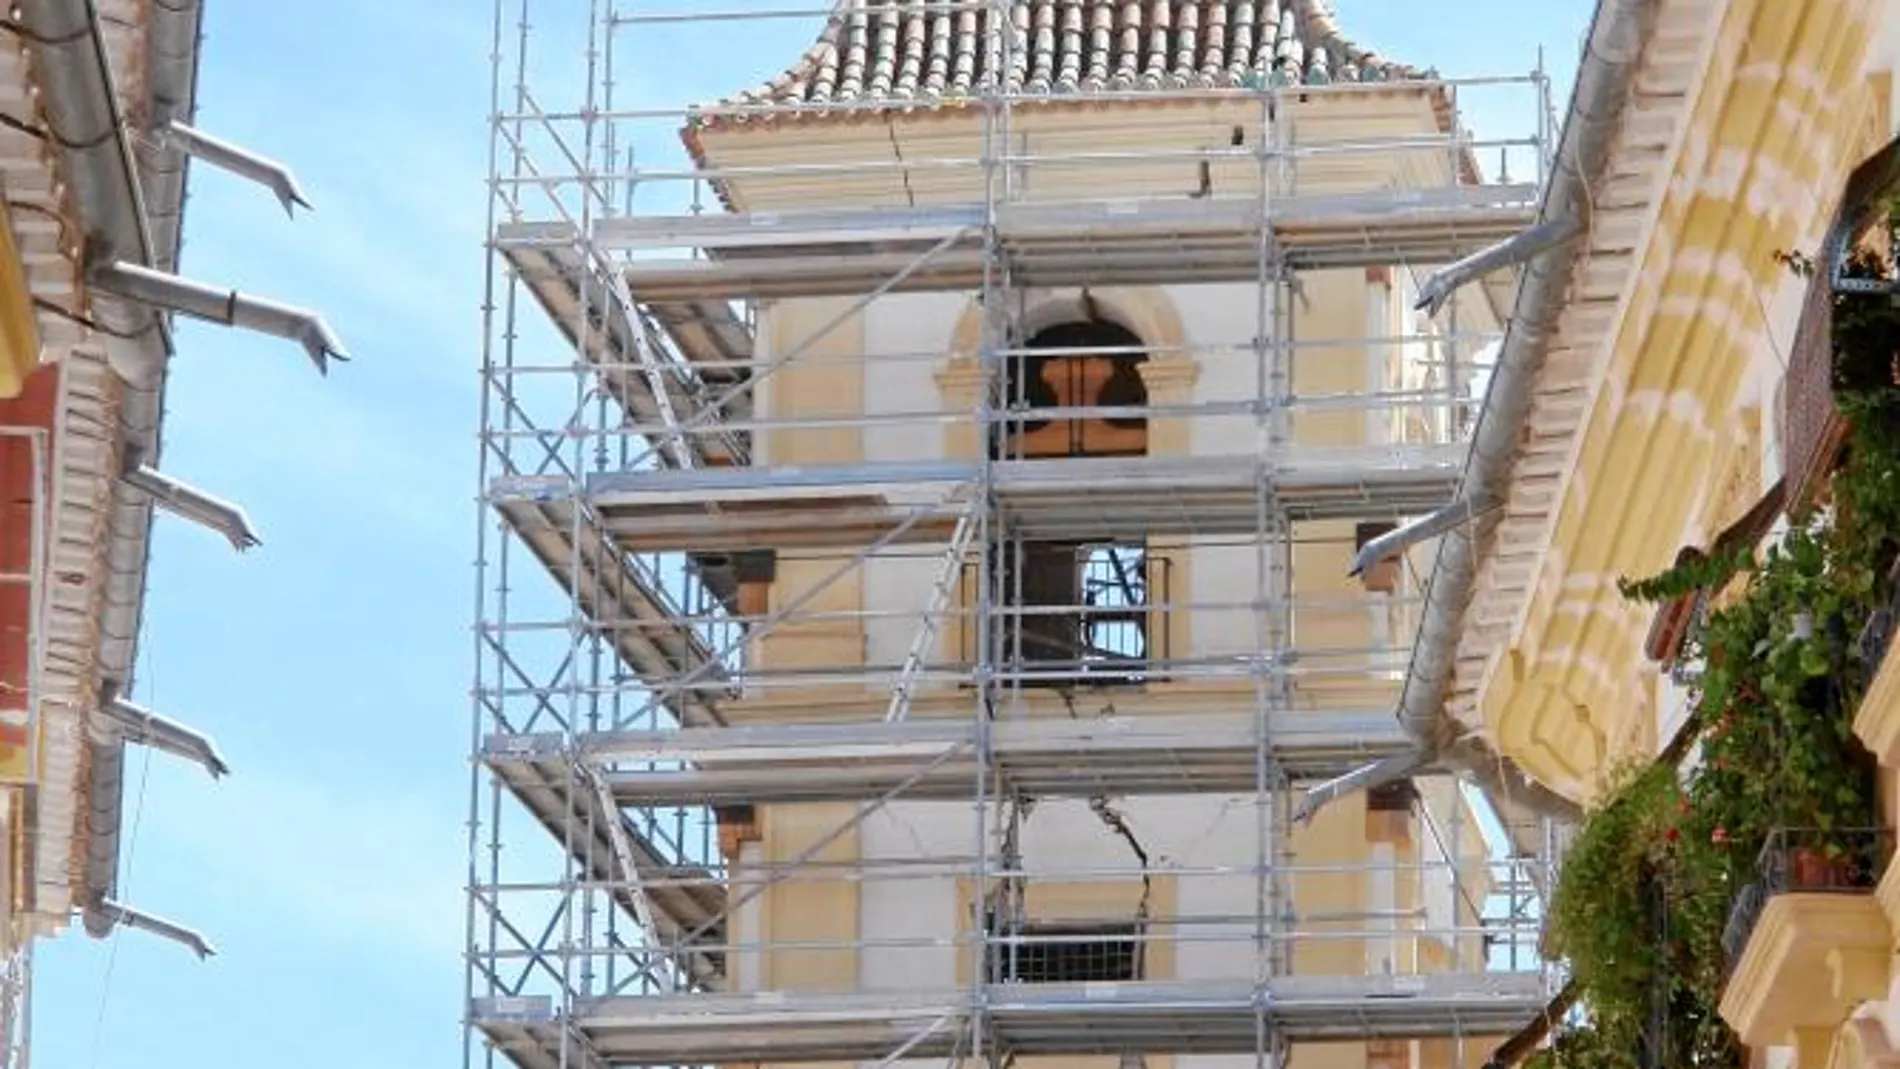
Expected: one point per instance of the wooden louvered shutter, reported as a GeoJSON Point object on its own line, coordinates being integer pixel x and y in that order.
{"type": "Point", "coordinates": [1050, 578]}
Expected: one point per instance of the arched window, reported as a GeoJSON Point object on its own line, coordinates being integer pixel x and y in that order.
{"type": "Point", "coordinates": [1090, 364]}
{"type": "Point", "coordinates": [1080, 609]}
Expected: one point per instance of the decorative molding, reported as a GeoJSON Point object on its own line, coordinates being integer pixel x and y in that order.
{"type": "Point", "coordinates": [1811, 960]}
{"type": "Point", "coordinates": [1878, 721]}
{"type": "Point", "coordinates": [1172, 376]}
{"type": "Point", "coordinates": [1888, 895]}
{"type": "Point", "coordinates": [959, 375]}
{"type": "Point", "coordinates": [1862, 1043]}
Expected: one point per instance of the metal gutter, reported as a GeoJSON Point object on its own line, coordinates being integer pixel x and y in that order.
{"type": "Point", "coordinates": [173, 30]}
{"type": "Point", "coordinates": [81, 107]}
{"type": "Point", "coordinates": [1605, 82]}
{"type": "Point", "coordinates": [171, 63]}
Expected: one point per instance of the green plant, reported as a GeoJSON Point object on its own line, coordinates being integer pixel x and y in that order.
{"type": "Point", "coordinates": [1697, 572]}
{"type": "Point", "coordinates": [1582, 1048]}
{"type": "Point", "coordinates": [1603, 915]}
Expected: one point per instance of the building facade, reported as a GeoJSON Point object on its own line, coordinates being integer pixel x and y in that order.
{"type": "Point", "coordinates": [953, 513]}
{"type": "Point", "coordinates": [1687, 372]}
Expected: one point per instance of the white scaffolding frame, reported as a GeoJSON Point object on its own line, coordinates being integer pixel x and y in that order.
{"type": "Point", "coordinates": [605, 715]}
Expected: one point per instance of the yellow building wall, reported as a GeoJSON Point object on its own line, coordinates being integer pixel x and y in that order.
{"type": "Point", "coordinates": [820, 911]}
{"type": "Point", "coordinates": [825, 380]}
{"type": "Point", "coordinates": [19, 329]}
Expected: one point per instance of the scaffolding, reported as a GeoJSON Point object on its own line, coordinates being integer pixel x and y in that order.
{"type": "Point", "coordinates": [793, 568]}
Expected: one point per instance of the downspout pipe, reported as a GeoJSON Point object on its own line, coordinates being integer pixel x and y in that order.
{"type": "Point", "coordinates": [1437, 290]}
{"type": "Point", "coordinates": [1605, 80]}
{"type": "Point", "coordinates": [114, 914]}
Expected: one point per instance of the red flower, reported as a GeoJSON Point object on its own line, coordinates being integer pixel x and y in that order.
{"type": "Point", "coordinates": [1674, 835]}
{"type": "Point", "coordinates": [1719, 836]}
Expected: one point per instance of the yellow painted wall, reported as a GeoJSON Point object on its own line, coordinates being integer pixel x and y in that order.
{"type": "Point", "coordinates": [824, 379]}
{"type": "Point", "coordinates": [1334, 306]}
{"type": "Point", "coordinates": [19, 329]}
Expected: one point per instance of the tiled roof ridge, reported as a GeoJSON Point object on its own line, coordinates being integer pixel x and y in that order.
{"type": "Point", "coordinates": [915, 53]}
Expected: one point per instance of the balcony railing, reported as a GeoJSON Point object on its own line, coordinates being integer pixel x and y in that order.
{"type": "Point", "coordinates": [1089, 614]}
{"type": "Point", "coordinates": [1806, 861]}
{"type": "Point", "coordinates": [1876, 638]}
{"type": "Point", "coordinates": [1812, 428]}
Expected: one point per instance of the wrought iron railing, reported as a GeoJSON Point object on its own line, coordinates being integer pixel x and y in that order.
{"type": "Point", "coordinates": [1104, 623]}
{"type": "Point", "coordinates": [1812, 428]}
{"type": "Point", "coordinates": [1876, 638]}
{"type": "Point", "coordinates": [1806, 861]}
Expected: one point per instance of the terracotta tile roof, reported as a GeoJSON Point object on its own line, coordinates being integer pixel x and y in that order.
{"type": "Point", "coordinates": [907, 53]}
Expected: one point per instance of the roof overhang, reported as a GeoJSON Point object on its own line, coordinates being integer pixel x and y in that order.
{"type": "Point", "coordinates": [142, 57]}
{"type": "Point", "coordinates": [1642, 409]}
{"type": "Point", "coordinates": [719, 136]}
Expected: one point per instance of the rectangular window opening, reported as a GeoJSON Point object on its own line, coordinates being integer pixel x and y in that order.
{"type": "Point", "coordinates": [1066, 954]}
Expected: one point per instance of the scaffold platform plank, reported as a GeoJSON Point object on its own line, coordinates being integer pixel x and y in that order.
{"type": "Point", "coordinates": [1047, 244]}
{"type": "Point", "coordinates": [839, 506]}
{"type": "Point", "coordinates": [1146, 1017]}
{"type": "Point", "coordinates": [708, 334]}
{"type": "Point", "coordinates": [935, 760]}
{"type": "Point", "coordinates": [611, 590]}
{"type": "Point", "coordinates": [683, 897]}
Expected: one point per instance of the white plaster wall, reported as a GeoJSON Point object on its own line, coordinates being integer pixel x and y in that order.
{"type": "Point", "coordinates": [903, 582]}
{"type": "Point", "coordinates": [1063, 840]}
{"type": "Point", "coordinates": [1220, 323]}
{"type": "Point", "coordinates": [1673, 705]}
{"type": "Point", "coordinates": [1223, 578]}
{"type": "Point", "coordinates": [1382, 888]}
{"type": "Point", "coordinates": [1217, 1061]}
{"type": "Point", "coordinates": [910, 926]}
{"type": "Point", "coordinates": [1380, 316]}
{"type": "Point", "coordinates": [750, 917]}
{"type": "Point", "coordinates": [1771, 366]}
{"type": "Point", "coordinates": [763, 352]}
{"type": "Point", "coordinates": [906, 337]}
{"type": "Point", "coordinates": [1437, 887]}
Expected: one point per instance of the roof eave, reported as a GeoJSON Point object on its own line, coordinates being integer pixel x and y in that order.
{"type": "Point", "coordinates": [818, 120]}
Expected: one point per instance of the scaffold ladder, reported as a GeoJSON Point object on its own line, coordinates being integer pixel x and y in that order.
{"type": "Point", "coordinates": [940, 594]}
{"type": "Point", "coordinates": [676, 443]}
{"type": "Point", "coordinates": [623, 849]}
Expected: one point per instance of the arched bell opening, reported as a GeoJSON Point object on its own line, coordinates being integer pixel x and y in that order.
{"type": "Point", "coordinates": [1092, 363]}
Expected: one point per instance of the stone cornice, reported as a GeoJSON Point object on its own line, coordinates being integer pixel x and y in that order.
{"type": "Point", "coordinates": [1878, 721]}
{"type": "Point", "coordinates": [1811, 960]}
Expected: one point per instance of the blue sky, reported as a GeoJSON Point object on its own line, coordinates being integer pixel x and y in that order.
{"type": "Point", "coordinates": [333, 664]}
